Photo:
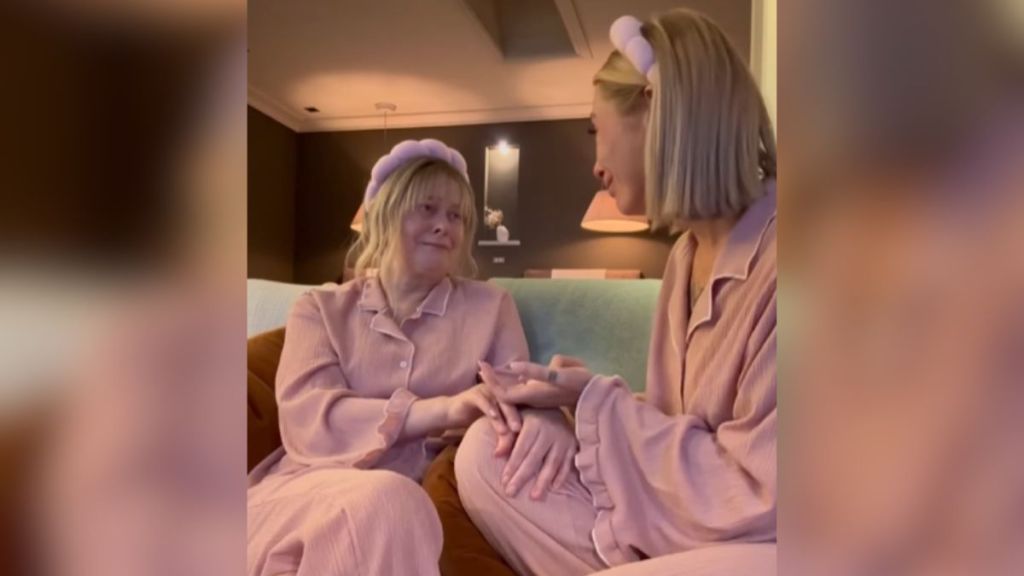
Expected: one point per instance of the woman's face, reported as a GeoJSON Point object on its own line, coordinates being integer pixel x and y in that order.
{"type": "Point", "coordinates": [620, 154]}
{"type": "Point", "coordinates": [432, 233]}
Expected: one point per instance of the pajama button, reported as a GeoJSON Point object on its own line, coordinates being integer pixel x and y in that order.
{"type": "Point", "coordinates": [403, 364]}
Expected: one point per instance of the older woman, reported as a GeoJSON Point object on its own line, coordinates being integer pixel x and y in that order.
{"type": "Point", "coordinates": [682, 136]}
{"type": "Point", "coordinates": [373, 372]}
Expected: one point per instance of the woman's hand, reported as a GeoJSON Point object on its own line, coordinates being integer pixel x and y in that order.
{"type": "Point", "coordinates": [464, 408]}
{"type": "Point", "coordinates": [558, 384]}
{"type": "Point", "coordinates": [543, 454]}
{"type": "Point", "coordinates": [439, 413]}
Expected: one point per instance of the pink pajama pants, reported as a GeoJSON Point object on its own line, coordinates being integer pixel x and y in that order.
{"type": "Point", "coordinates": [551, 536]}
{"type": "Point", "coordinates": [333, 522]}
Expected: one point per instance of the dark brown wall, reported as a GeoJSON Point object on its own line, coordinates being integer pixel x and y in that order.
{"type": "Point", "coordinates": [273, 159]}
{"type": "Point", "coordinates": [555, 188]}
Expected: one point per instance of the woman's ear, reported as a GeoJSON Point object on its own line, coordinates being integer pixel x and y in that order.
{"type": "Point", "coordinates": [648, 103]}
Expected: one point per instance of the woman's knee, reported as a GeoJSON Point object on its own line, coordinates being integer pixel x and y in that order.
{"type": "Point", "coordinates": [399, 498]}
{"type": "Point", "coordinates": [379, 498]}
{"type": "Point", "coordinates": [363, 520]}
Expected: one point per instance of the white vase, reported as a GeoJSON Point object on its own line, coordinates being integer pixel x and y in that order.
{"type": "Point", "coordinates": [502, 233]}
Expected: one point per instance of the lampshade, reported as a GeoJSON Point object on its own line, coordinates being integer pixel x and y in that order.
{"type": "Point", "coordinates": [357, 221]}
{"type": "Point", "coordinates": [604, 216]}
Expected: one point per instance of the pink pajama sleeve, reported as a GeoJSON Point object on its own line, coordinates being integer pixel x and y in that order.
{"type": "Point", "coordinates": [665, 483]}
{"type": "Point", "coordinates": [322, 420]}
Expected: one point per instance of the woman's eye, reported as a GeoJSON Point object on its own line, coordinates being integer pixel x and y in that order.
{"type": "Point", "coordinates": [428, 208]}
{"type": "Point", "coordinates": [455, 216]}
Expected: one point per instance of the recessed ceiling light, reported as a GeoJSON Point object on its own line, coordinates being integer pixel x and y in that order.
{"type": "Point", "coordinates": [312, 109]}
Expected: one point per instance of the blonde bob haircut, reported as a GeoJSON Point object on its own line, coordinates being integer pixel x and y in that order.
{"type": "Point", "coordinates": [401, 193]}
{"type": "Point", "coordinates": [710, 141]}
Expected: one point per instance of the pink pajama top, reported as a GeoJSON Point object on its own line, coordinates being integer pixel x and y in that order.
{"type": "Point", "coordinates": [349, 372]}
{"type": "Point", "coordinates": [695, 462]}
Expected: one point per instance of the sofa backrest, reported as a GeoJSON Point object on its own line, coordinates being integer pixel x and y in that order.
{"type": "Point", "coordinates": [268, 304]}
{"type": "Point", "coordinates": [607, 323]}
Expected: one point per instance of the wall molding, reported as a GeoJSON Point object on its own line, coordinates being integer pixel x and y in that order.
{"type": "Point", "coordinates": [271, 107]}
{"type": "Point", "coordinates": [449, 118]}
{"type": "Point", "coordinates": [571, 20]}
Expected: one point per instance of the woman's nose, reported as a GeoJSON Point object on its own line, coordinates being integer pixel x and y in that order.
{"type": "Point", "coordinates": [440, 226]}
{"type": "Point", "coordinates": [599, 172]}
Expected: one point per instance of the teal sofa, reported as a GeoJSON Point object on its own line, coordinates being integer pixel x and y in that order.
{"type": "Point", "coordinates": [607, 323]}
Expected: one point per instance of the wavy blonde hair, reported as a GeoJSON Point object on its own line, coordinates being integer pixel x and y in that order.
{"type": "Point", "coordinates": [710, 141]}
{"type": "Point", "coordinates": [400, 193]}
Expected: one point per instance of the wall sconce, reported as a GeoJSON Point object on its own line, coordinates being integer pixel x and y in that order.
{"type": "Point", "coordinates": [604, 216]}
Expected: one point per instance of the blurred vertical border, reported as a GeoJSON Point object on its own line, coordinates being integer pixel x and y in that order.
{"type": "Point", "coordinates": [122, 303]}
{"type": "Point", "coordinates": [901, 199]}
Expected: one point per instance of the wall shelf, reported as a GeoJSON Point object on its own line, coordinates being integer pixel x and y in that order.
{"type": "Point", "coordinates": [497, 243]}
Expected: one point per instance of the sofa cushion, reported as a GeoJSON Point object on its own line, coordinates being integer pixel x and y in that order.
{"type": "Point", "coordinates": [264, 434]}
{"type": "Point", "coordinates": [607, 323]}
{"type": "Point", "coordinates": [268, 304]}
{"type": "Point", "coordinates": [466, 552]}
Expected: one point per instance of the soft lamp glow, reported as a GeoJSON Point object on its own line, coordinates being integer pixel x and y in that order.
{"type": "Point", "coordinates": [604, 216]}
{"type": "Point", "coordinates": [357, 221]}
{"type": "Point", "coordinates": [503, 146]}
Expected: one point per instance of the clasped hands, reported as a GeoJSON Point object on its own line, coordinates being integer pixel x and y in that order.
{"type": "Point", "coordinates": [532, 430]}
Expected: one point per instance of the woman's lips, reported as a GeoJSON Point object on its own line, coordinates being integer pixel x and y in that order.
{"type": "Point", "coordinates": [438, 246]}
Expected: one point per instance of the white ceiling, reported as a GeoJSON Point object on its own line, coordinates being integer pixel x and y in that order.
{"type": "Point", "coordinates": [433, 58]}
